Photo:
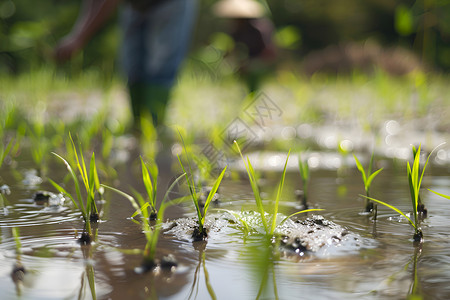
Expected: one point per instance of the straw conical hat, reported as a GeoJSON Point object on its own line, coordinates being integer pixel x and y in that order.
{"type": "Point", "coordinates": [238, 9]}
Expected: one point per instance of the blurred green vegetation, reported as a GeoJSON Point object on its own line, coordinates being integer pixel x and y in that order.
{"type": "Point", "coordinates": [28, 33]}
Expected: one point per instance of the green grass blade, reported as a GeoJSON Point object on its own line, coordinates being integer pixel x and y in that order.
{"type": "Point", "coordinates": [439, 194]}
{"type": "Point", "coordinates": [141, 202]}
{"type": "Point", "coordinates": [83, 170]}
{"type": "Point", "coordinates": [78, 162]}
{"type": "Point", "coordinates": [254, 185]}
{"type": "Point", "coordinates": [193, 194]}
{"type": "Point", "coordinates": [140, 199]}
{"type": "Point", "coordinates": [277, 199]}
{"type": "Point", "coordinates": [153, 169]}
{"type": "Point", "coordinates": [426, 163]}
{"type": "Point", "coordinates": [130, 198]}
{"type": "Point", "coordinates": [94, 183]}
{"type": "Point", "coordinates": [412, 191]}
{"type": "Point", "coordinates": [361, 169]}
{"type": "Point", "coordinates": [416, 170]}
{"type": "Point", "coordinates": [149, 186]}
{"type": "Point", "coordinates": [77, 186]}
{"type": "Point", "coordinates": [94, 172]}
{"type": "Point", "coordinates": [369, 169]}
{"type": "Point", "coordinates": [299, 212]}
{"type": "Point", "coordinates": [393, 208]}
{"type": "Point", "coordinates": [212, 193]}
{"type": "Point", "coordinates": [372, 176]}
{"type": "Point", "coordinates": [139, 212]}
{"type": "Point", "coordinates": [255, 188]}
{"type": "Point", "coordinates": [174, 183]}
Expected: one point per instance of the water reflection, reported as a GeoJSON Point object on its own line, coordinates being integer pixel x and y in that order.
{"type": "Point", "coordinates": [200, 246]}
{"type": "Point", "coordinates": [415, 290]}
{"type": "Point", "coordinates": [19, 271]}
{"type": "Point", "coordinates": [88, 275]}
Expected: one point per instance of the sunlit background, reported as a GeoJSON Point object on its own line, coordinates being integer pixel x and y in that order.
{"type": "Point", "coordinates": [348, 77]}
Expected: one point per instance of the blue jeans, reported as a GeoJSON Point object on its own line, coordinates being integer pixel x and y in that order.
{"type": "Point", "coordinates": [155, 41]}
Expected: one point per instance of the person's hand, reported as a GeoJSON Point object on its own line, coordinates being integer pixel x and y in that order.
{"type": "Point", "coordinates": [67, 47]}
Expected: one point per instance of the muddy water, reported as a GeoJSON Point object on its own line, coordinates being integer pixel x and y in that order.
{"type": "Point", "coordinates": [231, 265]}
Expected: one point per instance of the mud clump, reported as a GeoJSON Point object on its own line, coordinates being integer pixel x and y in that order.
{"type": "Point", "coordinates": [85, 239]}
{"type": "Point", "coordinates": [153, 216]}
{"type": "Point", "coordinates": [312, 235]}
{"type": "Point", "coordinates": [167, 264]}
{"type": "Point", "coordinates": [199, 235]}
{"type": "Point", "coordinates": [5, 190]}
{"type": "Point", "coordinates": [18, 273]}
{"type": "Point", "coordinates": [94, 218]}
{"type": "Point", "coordinates": [48, 198]}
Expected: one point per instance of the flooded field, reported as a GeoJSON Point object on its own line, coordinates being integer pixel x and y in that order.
{"type": "Point", "coordinates": [339, 252]}
{"type": "Point", "coordinates": [374, 260]}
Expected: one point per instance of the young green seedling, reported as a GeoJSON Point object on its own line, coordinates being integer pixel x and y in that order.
{"type": "Point", "coordinates": [150, 186]}
{"type": "Point", "coordinates": [91, 183]}
{"type": "Point", "coordinates": [151, 232]}
{"type": "Point", "coordinates": [268, 228]}
{"type": "Point", "coordinates": [415, 180]}
{"type": "Point", "coordinates": [420, 206]}
{"type": "Point", "coordinates": [199, 233]}
{"type": "Point", "coordinates": [367, 180]}
{"type": "Point", "coordinates": [303, 166]}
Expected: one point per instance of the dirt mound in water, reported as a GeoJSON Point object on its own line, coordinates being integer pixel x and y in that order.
{"type": "Point", "coordinates": [312, 236]}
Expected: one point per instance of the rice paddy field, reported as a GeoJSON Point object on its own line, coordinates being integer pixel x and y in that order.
{"type": "Point", "coordinates": [67, 152]}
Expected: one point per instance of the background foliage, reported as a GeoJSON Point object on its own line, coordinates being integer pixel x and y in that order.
{"type": "Point", "coordinates": [29, 32]}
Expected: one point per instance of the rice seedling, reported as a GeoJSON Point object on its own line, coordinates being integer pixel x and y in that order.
{"type": "Point", "coordinates": [150, 186]}
{"type": "Point", "coordinates": [200, 233]}
{"type": "Point", "coordinates": [420, 206]}
{"type": "Point", "coordinates": [151, 231]}
{"type": "Point", "coordinates": [367, 180]}
{"type": "Point", "coordinates": [305, 175]}
{"type": "Point", "coordinates": [440, 194]}
{"type": "Point", "coordinates": [269, 227]}
{"type": "Point", "coordinates": [91, 183]}
{"type": "Point", "coordinates": [415, 180]}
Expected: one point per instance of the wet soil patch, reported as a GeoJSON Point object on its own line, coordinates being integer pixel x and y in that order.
{"type": "Point", "coordinates": [312, 235]}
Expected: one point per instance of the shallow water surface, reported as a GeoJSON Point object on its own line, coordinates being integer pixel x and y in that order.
{"type": "Point", "coordinates": [382, 264]}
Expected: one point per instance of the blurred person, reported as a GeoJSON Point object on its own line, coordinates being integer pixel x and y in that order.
{"type": "Point", "coordinates": [156, 35]}
{"type": "Point", "coordinates": [252, 32]}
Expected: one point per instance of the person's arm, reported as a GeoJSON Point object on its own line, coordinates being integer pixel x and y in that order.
{"type": "Point", "coordinates": [93, 15]}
